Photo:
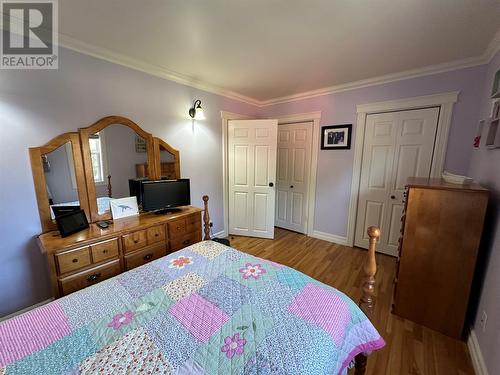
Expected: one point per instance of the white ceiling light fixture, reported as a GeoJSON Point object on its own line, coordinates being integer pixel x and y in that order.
{"type": "Point", "coordinates": [196, 112]}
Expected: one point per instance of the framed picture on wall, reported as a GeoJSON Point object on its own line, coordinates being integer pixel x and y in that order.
{"type": "Point", "coordinates": [336, 137]}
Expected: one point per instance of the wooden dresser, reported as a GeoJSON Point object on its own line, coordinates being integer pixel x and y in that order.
{"type": "Point", "coordinates": [441, 229]}
{"type": "Point", "coordinates": [95, 254]}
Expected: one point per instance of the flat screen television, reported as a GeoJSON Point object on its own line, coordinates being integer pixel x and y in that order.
{"type": "Point", "coordinates": [165, 195]}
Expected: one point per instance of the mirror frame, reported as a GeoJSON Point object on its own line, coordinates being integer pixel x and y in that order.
{"type": "Point", "coordinates": [41, 184]}
{"type": "Point", "coordinates": [157, 144]}
{"type": "Point", "coordinates": [87, 161]}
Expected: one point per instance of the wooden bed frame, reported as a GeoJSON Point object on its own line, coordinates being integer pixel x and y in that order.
{"type": "Point", "coordinates": [367, 301]}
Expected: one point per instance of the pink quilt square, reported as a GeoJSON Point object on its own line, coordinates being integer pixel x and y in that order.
{"type": "Point", "coordinates": [200, 317]}
{"type": "Point", "coordinates": [323, 308]}
{"type": "Point", "coordinates": [31, 332]}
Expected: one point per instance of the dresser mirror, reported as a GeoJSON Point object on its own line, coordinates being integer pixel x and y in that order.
{"type": "Point", "coordinates": [168, 163]}
{"type": "Point", "coordinates": [118, 154]}
{"type": "Point", "coordinates": [89, 167]}
{"type": "Point", "coordinates": [115, 150]}
{"type": "Point", "coordinates": [58, 188]}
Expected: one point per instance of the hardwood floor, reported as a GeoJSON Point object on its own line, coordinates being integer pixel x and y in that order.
{"type": "Point", "coordinates": [410, 348]}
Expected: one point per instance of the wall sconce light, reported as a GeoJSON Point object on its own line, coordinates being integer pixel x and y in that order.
{"type": "Point", "coordinates": [196, 111]}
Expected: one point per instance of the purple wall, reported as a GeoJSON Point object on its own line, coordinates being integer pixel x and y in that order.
{"type": "Point", "coordinates": [36, 106]}
{"type": "Point", "coordinates": [333, 184]}
{"type": "Point", "coordinates": [485, 168]}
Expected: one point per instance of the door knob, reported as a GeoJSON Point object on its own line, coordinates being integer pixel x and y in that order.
{"type": "Point", "coordinates": [393, 197]}
{"type": "Point", "coordinates": [291, 186]}
{"type": "Point", "coordinates": [271, 184]}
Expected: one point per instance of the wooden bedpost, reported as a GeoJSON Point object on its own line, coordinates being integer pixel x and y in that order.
{"type": "Point", "coordinates": [367, 301]}
{"type": "Point", "coordinates": [110, 190]}
{"type": "Point", "coordinates": [206, 219]}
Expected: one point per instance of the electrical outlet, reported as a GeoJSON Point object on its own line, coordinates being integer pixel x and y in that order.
{"type": "Point", "coordinates": [484, 318]}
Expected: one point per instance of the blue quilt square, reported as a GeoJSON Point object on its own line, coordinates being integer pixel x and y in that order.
{"type": "Point", "coordinates": [225, 293]}
{"type": "Point", "coordinates": [294, 346]}
{"type": "Point", "coordinates": [176, 343]}
{"type": "Point", "coordinates": [89, 304]}
{"type": "Point", "coordinates": [274, 298]}
{"type": "Point", "coordinates": [142, 280]}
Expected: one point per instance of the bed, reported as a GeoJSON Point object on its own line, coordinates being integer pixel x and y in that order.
{"type": "Point", "coordinates": [206, 309]}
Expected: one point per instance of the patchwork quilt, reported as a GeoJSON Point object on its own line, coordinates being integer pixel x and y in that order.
{"type": "Point", "coordinates": [206, 309]}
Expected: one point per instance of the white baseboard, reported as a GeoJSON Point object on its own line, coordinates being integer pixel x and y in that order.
{"type": "Point", "coordinates": [329, 237]}
{"type": "Point", "coordinates": [221, 234]}
{"type": "Point", "coordinates": [475, 354]}
{"type": "Point", "coordinates": [26, 309]}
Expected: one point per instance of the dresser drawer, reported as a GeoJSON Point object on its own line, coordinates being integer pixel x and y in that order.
{"type": "Point", "coordinates": [176, 228]}
{"type": "Point", "coordinates": [84, 279]}
{"type": "Point", "coordinates": [135, 240]}
{"type": "Point", "coordinates": [184, 241]}
{"type": "Point", "coordinates": [145, 256]}
{"type": "Point", "coordinates": [193, 223]}
{"type": "Point", "coordinates": [156, 234]}
{"type": "Point", "coordinates": [104, 250]}
{"type": "Point", "coordinates": [73, 260]}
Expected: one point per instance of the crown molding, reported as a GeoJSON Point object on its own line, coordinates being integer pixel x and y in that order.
{"type": "Point", "coordinates": [162, 72]}
{"type": "Point", "coordinates": [425, 71]}
{"type": "Point", "coordinates": [156, 70]}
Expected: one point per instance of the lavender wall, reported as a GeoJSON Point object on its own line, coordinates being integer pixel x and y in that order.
{"type": "Point", "coordinates": [333, 183]}
{"type": "Point", "coordinates": [485, 168]}
{"type": "Point", "coordinates": [36, 106]}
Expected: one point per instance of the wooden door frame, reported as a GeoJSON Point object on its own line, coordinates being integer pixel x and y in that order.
{"type": "Point", "coordinates": [444, 101]}
{"type": "Point", "coordinates": [314, 118]}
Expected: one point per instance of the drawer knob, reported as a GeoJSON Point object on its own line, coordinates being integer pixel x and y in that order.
{"type": "Point", "coordinates": [156, 234]}
{"type": "Point", "coordinates": [93, 277]}
{"type": "Point", "coordinates": [148, 256]}
{"type": "Point", "coordinates": [105, 251]}
{"type": "Point", "coordinates": [185, 242]}
{"type": "Point", "coordinates": [75, 260]}
{"type": "Point", "coordinates": [135, 241]}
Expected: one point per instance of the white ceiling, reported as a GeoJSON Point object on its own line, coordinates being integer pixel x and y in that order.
{"type": "Point", "coordinates": [265, 49]}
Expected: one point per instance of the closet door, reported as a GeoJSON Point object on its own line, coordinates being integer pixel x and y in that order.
{"type": "Point", "coordinates": [292, 180]}
{"type": "Point", "coordinates": [397, 145]}
{"type": "Point", "coordinates": [252, 172]}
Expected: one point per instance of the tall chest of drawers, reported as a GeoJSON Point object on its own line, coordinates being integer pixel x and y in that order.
{"type": "Point", "coordinates": [93, 255]}
{"type": "Point", "coordinates": [441, 229]}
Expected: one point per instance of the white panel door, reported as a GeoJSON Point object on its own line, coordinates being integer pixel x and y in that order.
{"type": "Point", "coordinates": [252, 173]}
{"type": "Point", "coordinates": [397, 145]}
{"type": "Point", "coordinates": [292, 178]}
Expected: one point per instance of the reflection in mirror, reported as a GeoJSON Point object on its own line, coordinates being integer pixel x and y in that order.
{"type": "Point", "coordinates": [167, 164]}
{"type": "Point", "coordinates": [59, 171]}
{"type": "Point", "coordinates": [118, 155]}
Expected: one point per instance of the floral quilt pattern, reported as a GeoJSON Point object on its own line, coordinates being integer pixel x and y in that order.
{"type": "Point", "coordinates": [206, 309]}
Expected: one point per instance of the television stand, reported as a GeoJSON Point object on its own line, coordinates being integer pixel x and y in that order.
{"type": "Point", "coordinates": [167, 211]}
